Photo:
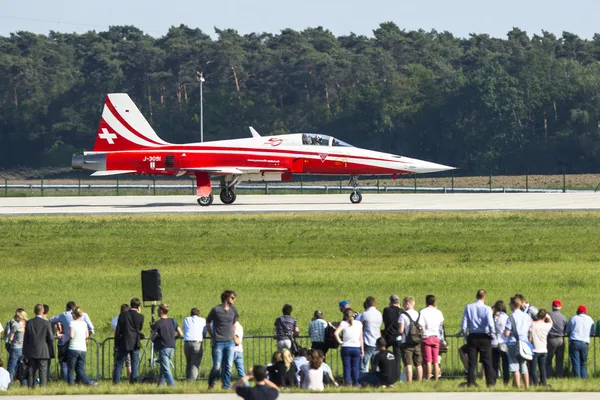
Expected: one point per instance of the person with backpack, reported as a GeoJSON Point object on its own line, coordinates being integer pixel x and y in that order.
{"type": "Point", "coordinates": [478, 329]}
{"type": "Point", "coordinates": [411, 331]}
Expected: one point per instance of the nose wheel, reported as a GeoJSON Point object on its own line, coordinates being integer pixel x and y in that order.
{"type": "Point", "coordinates": [206, 200]}
{"type": "Point", "coordinates": [355, 197]}
{"type": "Point", "coordinates": [227, 196]}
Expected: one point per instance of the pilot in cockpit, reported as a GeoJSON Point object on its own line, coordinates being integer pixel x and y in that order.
{"type": "Point", "coordinates": [318, 141]}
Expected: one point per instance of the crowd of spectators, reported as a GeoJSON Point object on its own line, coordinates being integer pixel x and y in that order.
{"type": "Point", "coordinates": [377, 348]}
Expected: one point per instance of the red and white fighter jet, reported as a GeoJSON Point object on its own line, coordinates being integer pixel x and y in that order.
{"type": "Point", "coordinates": [127, 144]}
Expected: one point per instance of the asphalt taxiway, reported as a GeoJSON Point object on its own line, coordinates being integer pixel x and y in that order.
{"type": "Point", "coordinates": [302, 203]}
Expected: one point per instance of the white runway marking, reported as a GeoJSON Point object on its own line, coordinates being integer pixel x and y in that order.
{"type": "Point", "coordinates": [301, 203]}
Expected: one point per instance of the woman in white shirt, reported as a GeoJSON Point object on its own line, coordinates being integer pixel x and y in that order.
{"type": "Point", "coordinates": [499, 347]}
{"type": "Point", "coordinates": [77, 348]}
{"type": "Point", "coordinates": [432, 321]}
{"type": "Point", "coordinates": [312, 374]}
{"type": "Point", "coordinates": [352, 346]}
{"type": "Point", "coordinates": [539, 334]}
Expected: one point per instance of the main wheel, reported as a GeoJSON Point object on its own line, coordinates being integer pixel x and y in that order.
{"type": "Point", "coordinates": [228, 196]}
{"type": "Point", "coordinates": [355, 197]}
{"type": "Point", "coordinates": [206, 200]}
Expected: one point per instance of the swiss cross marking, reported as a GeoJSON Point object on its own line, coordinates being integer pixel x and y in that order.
{"type": "Point", "coordinates": [107, 136]}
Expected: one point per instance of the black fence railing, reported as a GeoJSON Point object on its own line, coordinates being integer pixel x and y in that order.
{"type": "Point", "coordinates": [258, 350]}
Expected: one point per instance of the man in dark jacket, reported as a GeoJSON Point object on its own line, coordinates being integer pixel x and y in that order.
{"type": "Point", "coordinates": [128, 336]}
{"type": "Point", "coordinates": [38, 334]}
{"type": "Point", "coordinates": [391, 332]}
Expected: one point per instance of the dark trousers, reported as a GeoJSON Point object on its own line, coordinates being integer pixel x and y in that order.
{"type": "Point", "coordinates": [539, 360]}
{"type": "Point", "coordinates": [320, 346]}
{"type": "Point", "coordinates": [135, 365]}
{"type": "Point", "coordinates": [480, 343]}
{"type": "Point", "coordinates": [556, 347]}
{"type": "Point", "coordinates": [351, 363]}
{"type": "Point", "coordinates": [36, 366]}
{"type": "Point", "coordinates": [578, 352]}
{"type": "Point", "coordinates": [76, 365]}
{"type": "Point", "coordinates": [497, 357]}
{"type": "Point", "coordinates": [397, 351]}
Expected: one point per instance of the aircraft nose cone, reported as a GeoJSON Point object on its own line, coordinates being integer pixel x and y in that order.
{"type": "Point", "coordinates": [426, 167]}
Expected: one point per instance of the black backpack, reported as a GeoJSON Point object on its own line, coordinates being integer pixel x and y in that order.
{"type": "Point", "coordinates": [22, 371]}
{"type": "Point", "coordinates": [330, 339]}
{"type": "Point", "coordinates": [415, 333]}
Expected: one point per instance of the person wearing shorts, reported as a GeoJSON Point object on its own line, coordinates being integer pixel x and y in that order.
{"type": "Point", "coordinates": [432, 321]}
{"type": "Point", "coordinates": [411, 354]}
{"type": "Point", "coordinates": [516, 364]}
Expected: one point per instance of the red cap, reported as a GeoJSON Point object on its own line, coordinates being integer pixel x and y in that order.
{"type": "Point", "coordinates": [582, 309]}
{"type": "Point", "coordinates": [556, 304]}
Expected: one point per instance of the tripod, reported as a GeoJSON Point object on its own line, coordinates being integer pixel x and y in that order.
{"type": "Point", "coordinates": [150, 343]}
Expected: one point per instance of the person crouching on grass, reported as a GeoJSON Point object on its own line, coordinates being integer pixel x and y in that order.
{"type": "Point", "coordinates": [384, 367]}
{"type": "Point", "coordinates": [263, 389]}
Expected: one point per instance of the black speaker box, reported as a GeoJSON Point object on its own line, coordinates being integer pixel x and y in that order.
{"type": "Point", "coordinates": [151, 288]}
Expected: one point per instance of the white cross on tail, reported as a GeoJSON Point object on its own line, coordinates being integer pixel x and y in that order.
{"type": "Point", "coordinates": [108, 136]}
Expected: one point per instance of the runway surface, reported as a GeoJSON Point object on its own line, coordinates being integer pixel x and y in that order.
{"type": "Point", "coordinates": [339, 396]}
{"type": "Point", "coordinates": [302, 203]}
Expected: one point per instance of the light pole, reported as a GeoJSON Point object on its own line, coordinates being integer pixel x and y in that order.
{"type": "Point", "coordinates": [201, 79]}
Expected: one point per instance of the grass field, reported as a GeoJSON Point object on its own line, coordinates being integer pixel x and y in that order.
{"type": "Point", "coordinates": [311, 261]}
{"type": "Point", "coordinates": [566, 385]}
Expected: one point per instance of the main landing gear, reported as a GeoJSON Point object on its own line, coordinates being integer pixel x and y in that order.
{"type": "Point", "coordinates": [227, 195]}
{"type": "Point", "coordinates": [206, 200]}
{"type": "Point", "coordinates": [355, 196]}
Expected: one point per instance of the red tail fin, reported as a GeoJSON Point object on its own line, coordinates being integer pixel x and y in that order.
{"type": "Point", "coordinates": [123, 127]}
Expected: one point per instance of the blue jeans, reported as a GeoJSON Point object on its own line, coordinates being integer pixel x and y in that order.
{"type": "Point", "coordinates": [578, 352]}
{"type": "Point", "coordinates": [164, 360]}
{"type": "Point", "coordinates": [13, 357]}
{"type": "Point", "coordinates": [76, 364]}
{"type": "Point", "coordinates": [238, 360]}
{"type": "Point", "coordinates": [222, 355]}
{"type": "Point", "coordinates": [370, 351]}
{"type": "Point", "coordinates": [369, 380]}
{"type": "Point", "coordinates": [351, 363]}
{"type": "Point", "coordinates": [64, 369]}
{"type": "Point", "coordinates": [539, 359]}
{"type": "Point", "coordinates": [135, 365]}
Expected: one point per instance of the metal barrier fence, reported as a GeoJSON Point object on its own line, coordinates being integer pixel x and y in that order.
{"type": "Point", "coordinates": [258, 350]}
{"type": "Point", "coordinates": [151, 189]}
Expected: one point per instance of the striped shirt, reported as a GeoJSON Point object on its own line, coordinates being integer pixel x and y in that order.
{"type": "Point", "coordinates": [285, 326]}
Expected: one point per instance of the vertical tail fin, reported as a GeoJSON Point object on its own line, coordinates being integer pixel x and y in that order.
{"type": "Point", "coordinates": [123, 127]}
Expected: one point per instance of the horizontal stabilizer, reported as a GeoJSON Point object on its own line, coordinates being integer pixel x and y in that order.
{"type": "Point", "coordinates": [108, 173]}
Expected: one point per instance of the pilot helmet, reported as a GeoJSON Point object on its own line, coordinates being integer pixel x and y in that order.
{"type": "Point", "coordinates": [318, 138]}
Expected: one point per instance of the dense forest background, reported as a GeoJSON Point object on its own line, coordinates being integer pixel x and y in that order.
{"type": "Point", "coordinates": [515, 105]}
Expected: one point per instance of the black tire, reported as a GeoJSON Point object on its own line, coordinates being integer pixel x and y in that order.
{"type": "Point", "coordinates": [227, 196]}
{"type": "Point", "coordinates": [206, 200]}
{"type": "Point", "coordinates": [355, 197]}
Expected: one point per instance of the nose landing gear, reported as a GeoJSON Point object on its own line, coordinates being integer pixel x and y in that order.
{"type": "Point", "coordinates": [355, 196]}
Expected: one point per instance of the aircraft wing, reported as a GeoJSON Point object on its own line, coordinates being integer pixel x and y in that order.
{"type": "Point", "coordinates": [235, 170]}
{"type": "Point", "coordinates": [115, 172]}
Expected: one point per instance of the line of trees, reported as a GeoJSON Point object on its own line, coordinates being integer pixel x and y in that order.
{"type": "Point", "coordinates": [514, 105]}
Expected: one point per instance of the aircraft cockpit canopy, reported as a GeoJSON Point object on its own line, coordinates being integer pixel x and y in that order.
{"type": "Point", "coordinates": [314, 139]}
